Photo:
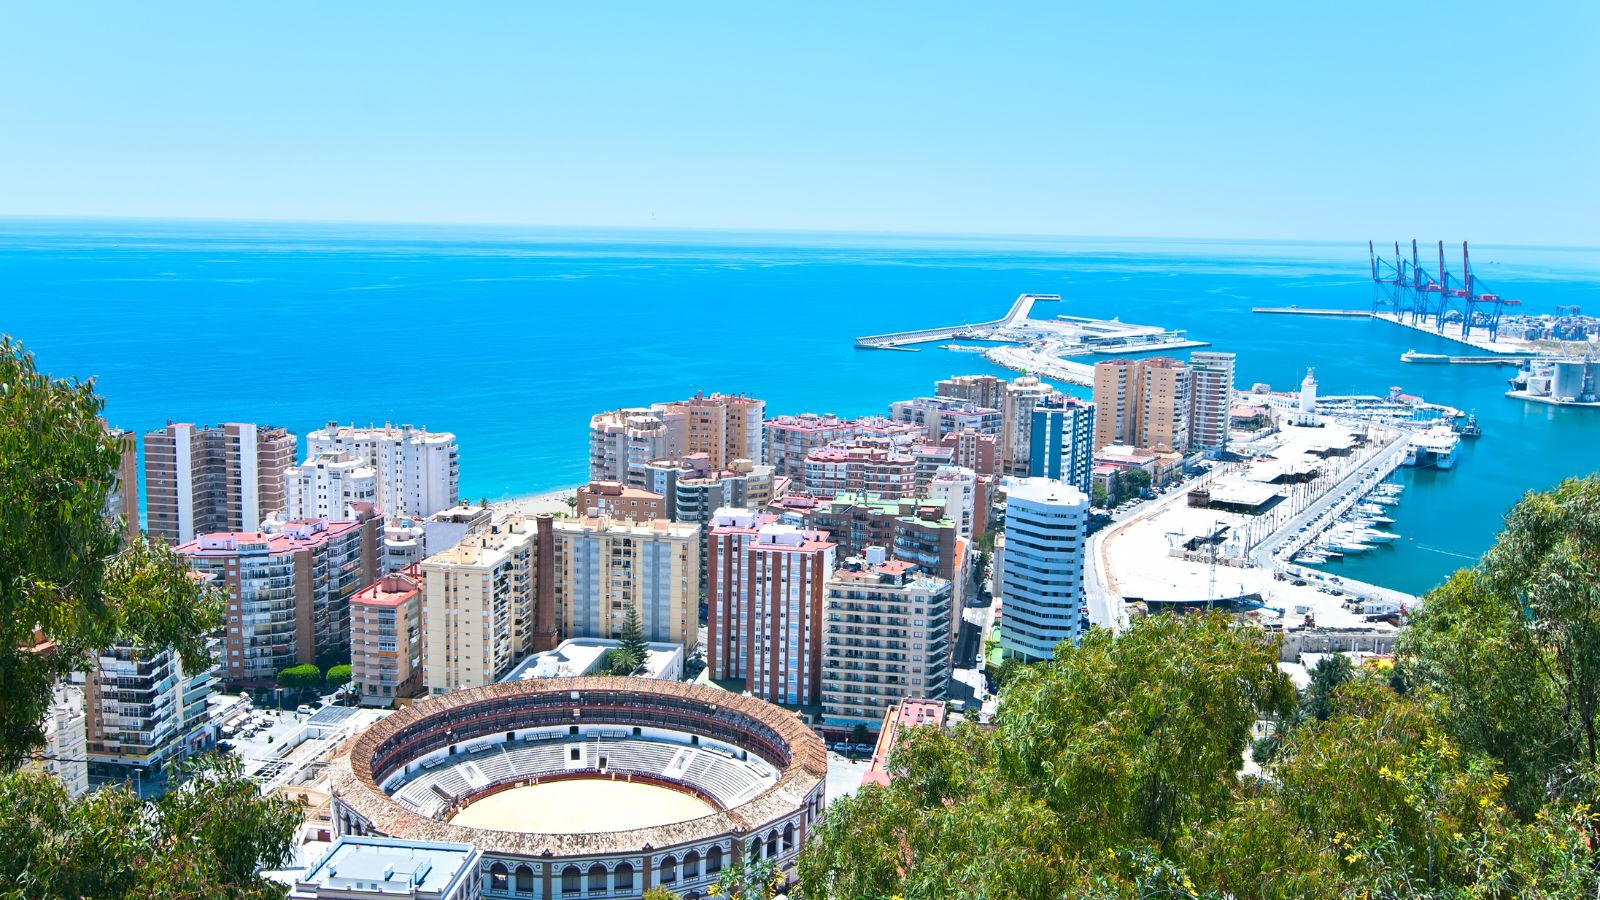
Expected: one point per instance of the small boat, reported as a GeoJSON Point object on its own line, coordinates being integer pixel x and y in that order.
{"type": "Point", "coordinates": [1385, 499]}
{"type": "Point", "coordinates": [1381, 537]}
{"type": "Point", "coordinates": [1390, 488]}
{"type": "Point", "coordinates": [1312, 558]}
{"type": "Point", "coordinates": [1470, 427]}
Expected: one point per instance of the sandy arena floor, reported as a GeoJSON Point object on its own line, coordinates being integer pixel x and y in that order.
{"type": "Point", "coordinates": [584, 805]}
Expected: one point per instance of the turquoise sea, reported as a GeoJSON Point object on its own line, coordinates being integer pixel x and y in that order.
{"type": "Point", "coordinates": [512, 338]}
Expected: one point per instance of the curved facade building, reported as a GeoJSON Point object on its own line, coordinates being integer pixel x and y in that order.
{"type": "Point", "coordinates": [1041, 567]}
{"type": "Point", "coordinates": [589, 787]}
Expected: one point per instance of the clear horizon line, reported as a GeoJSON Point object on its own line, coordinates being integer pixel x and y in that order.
{"type": "Point", "coordinates": [722, 229]}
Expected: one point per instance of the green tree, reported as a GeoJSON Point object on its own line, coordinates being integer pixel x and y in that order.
{"type": "Point", "coordinates": [1136, 479]}
{"type": "Point", "coordinates": [69, 580]}
{"type": "Point", "coordinates": [339, 675]}
{"type": "Point", "coordinates": [619, 663]}
{"type": "Point", "coordinates": [1115, 743]}
{"type": "Point", "coordinates": [1097, 495]}
{"type": "Point", "coordinates": [300, 678]}
{"type": "Point", "coordinates": [631, 639]}
{"type": "Point", "coordinates": [859, 734]}
{"type": "Point", "coordinates": [207, 840]}
{"type": "Point", "coordinates": [660, 893]}
{"type": "Point", "coordinates": [1510, 649]}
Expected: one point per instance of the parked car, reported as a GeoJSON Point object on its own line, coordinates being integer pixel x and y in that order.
{"type": "Point", "coordinates": [303, 710]}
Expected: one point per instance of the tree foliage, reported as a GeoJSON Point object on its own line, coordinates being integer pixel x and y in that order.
{"type": "Point", "coordinates": [339, 675]}
{"type": "Point", "coordinates": [69, 579]}
{"type": "Point", "coordinates": [300, 678]}
{"type": "Point", "coordinates": [1511, 649]}
{"type": "Point", "coordinates": [1113, 771]}
{"type": "Point", "coordinates": [631, 639]}
{"type": "Point", "coordinates": [207, 839]}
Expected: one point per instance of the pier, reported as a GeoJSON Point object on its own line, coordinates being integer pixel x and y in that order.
{"type": "Point", "coordinates": [1303, 311]}
{"type": "Point", "coordinates": [898, 339]}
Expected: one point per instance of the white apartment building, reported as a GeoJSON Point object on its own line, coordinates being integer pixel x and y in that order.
{"type": "Point", "coordinates": [478, 606]}
{"type": "Point", "coordinates": [957, 486]}
{"type": "Point", "coordinates": [66, 745]}
{"type": "Point", "coordinates": [327, 486]}
{"type": "Point", "coordinates": [141, 711]}
{"type": "Point", "coordinates": [1212, 399]}
{"type": "Point", "coordinates": [1041, 568]}
{"type": "Point", "coordinates": [418, 471]}
{"type": "Point", "coordinates": [887, 636]}
{"type": "Point", "coordinates": [604, 565]}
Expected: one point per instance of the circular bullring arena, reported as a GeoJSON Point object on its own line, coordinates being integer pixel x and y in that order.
{"type": "Point", "coordinates": [589, 787]}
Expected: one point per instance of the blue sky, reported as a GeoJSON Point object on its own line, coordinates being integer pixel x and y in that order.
{"type": "Point", "coordinates": [1221, 119]}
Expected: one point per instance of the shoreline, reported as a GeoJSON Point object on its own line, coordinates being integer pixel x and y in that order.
{"type": "Point", "coordinates": [553, 502]}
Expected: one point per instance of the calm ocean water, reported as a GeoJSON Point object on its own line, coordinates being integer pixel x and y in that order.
{"type": "Point", "coordinates": [512, 338]}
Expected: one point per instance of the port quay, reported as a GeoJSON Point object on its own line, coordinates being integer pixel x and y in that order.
{"type": "Point", "coordinates": [1037, 346]}
{"type": "Point", "coordinates": [1238, 552]}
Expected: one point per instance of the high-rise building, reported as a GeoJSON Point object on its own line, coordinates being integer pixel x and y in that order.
{"type": "Point", "coordinates": [887, 473]}
{"type": "Point", "coordinates": [603, 566]}
{"type": "Point", "coordinates": [65, 753]}
{"type": "Point", "coordinates": [888, 636]}
{"type": "Point", "coordinates": [288, 591]}
{"type": "Point", "coordinates": [765, 594]}
{"type": "Point", "coordinates": [982, 390]}
{"type": "Point", "coordinates": [142, 711]}
{"type": "Point", "coordinates": [619, 501]}
{"type": "Point", "coordinates": [940, 416]}
{"type": "Point", "coordinates": [386, 638]}
{"type": "Point", "coordinates": [123, 500]}
{"type": "Point", "coordinates": [1212, 400]}
{"type": "Point", "coordinates": [724, 427]}
{"type": "Point", "coordinates": [1041, 567]}
{"type": "Point", "coordinates": [1063, 441]}
{"type": "Point", "coordinates": [727, 615]}
{"type": "Point", "coordinates": [790, 438]}
{"type": "Point", "coordinates": [329, 486]}
{"type": "Point", "coordinates": [1143, 403]}
{"type": "Point", "coordinates": [915, 530]}
{"type": "Point", "coordinates": [481, 606]}
{"type": "Point", "coordinates": [1016, 431]}
{"type": "Point", "coordinates": [978, 452]}
{"type": "Point", "coordinates": [204, 480]}
{"type": "Point", "coordinates": [958, 488]}
{"type": "Point", "coordinates": [418, 471]}
{"type": "Point", "coordinates": [623, 440]}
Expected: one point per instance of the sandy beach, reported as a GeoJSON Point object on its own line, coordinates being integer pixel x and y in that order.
{"type": "Point", "coordinates": [552, 502]}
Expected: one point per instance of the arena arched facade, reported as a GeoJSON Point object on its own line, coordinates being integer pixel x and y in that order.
{"type": "Point", "coordinates": [746, 778]}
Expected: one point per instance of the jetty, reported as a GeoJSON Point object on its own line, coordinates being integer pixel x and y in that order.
{"type": "Point", "coordinates": [981, 330]}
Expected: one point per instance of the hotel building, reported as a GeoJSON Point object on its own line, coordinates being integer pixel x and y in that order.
{"type": "Point", "coordinates": [887, 636]}
{"type": "Point", "coordinates": [204, 480]}
{"type": "Point", "coordinates": [604, 565]}
{"type": "Point", "coordinates": [1041, 568]}
{"type": "Point", "coordinates": [418, 471]}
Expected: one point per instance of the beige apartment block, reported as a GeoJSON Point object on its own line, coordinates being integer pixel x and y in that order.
{"type": "Point", "coordinates": [604, 565]}
{"type": "Point", "coordinates": [203, 480]}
